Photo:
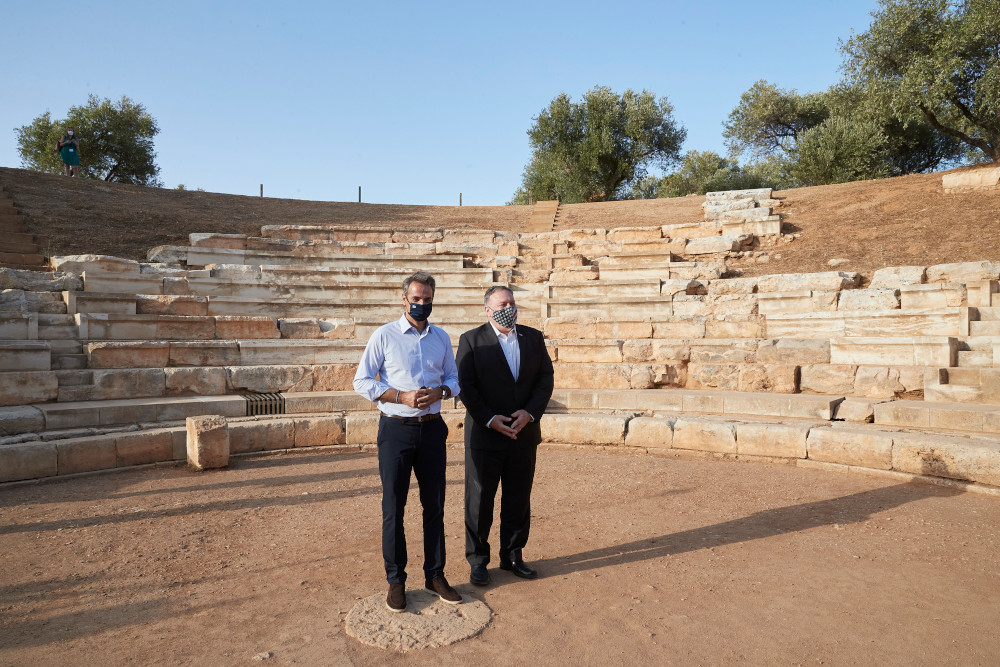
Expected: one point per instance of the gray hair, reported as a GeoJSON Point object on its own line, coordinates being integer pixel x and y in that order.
{"type": "Point", "coordinates": [493, 290]}
{"type": "Point", "coordinates": [421, 277]}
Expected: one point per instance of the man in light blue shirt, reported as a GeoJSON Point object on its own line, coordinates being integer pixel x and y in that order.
{"type": "Point", "coordinates": [408, 367]}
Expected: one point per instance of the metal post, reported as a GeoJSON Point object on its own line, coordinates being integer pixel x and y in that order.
{"type": "Point", "coordinates": [359, 194]}
{"type": "Point", "coordinates": [261, 189]}
{"type": "Point", "coordinates": [459, 198]}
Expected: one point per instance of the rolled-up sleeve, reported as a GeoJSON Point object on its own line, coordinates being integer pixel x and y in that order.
{"type": "Point", "coordinates": [372, 365]}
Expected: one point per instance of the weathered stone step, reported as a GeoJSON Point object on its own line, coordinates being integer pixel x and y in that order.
{"type": "Point", "coordinates": [74, 378]}
{"type": "Point", "coordinates": [58, 332]}
{"type": "Point", "coordinates": [208, 256]}
{"type": "Point", "coordinates": [69, 361]}
{"type": "Point", "coordinates": [24, 355]}
{"type": "Point", "coordinates": [55, 319]}
{"type": "Point", "coordinates": [21, 267]}
{"type": "Point", "coordinates": [21, 258]}
{"type": "Point", "coordinates": [10, 246]}
{"type": "Point", "coordinates": [977, 418]}
{"type": "Point", "coordinates": [988, 314]}
{"type": "Point", "coordinates": [975, 358]}
{"type": "Point", "coordinates": [985, 328]}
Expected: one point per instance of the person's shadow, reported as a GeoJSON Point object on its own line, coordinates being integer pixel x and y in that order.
{"type": "Point", "coordinates": [854, 508]}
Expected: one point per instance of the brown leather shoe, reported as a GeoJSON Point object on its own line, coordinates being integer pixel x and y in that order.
{"type": "Point", "coordinates": [395, 601]}
{"type": "Point", "coordinates": [439, 586]}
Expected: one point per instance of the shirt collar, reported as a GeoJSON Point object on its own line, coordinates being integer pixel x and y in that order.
{"type": "Point", "coordinates": [500, 334]}
{"type": "Point", "coordinates": [404, 326]}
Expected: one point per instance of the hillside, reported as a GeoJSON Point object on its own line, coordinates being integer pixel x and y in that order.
{"type": "Point", "coordinates": [871, 224]}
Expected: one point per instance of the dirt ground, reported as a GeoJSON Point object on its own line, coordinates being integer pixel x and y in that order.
{"type": "Point", "coordinates": [643, 560]}
{"type": "Point", "coordinates": [871, 224]}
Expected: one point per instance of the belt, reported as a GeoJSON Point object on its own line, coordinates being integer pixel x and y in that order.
{"type": "Point", "coordinates": [414, 420]}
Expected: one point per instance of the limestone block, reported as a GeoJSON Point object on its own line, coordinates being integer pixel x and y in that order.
{"type": "Point", "coordinates": [642, 376]}
{"type": "Point", "coordinates": [337, 328]}
{"type": "Point", "coordinates": [869, 299]}
{"type": "Point", "coordinates": [717, 206]}
{"type": "Point", "coordinates": [21, 419]}
{"type": "Point", "coordinates": [179, 286]}
{"type": "Point", "coordinates": [24, 355]}
{"type": "Point", "coordinates": [941, 456]}
{"type": "Point", "coordinates": [262, 435]}
{"type": "Point", "coordinates": [16, 301]}
{"type": "Point", "coordinates": [77, 455]}
{"type": "Point", "coordinates": [270, 378]}
{"type": "Point", "coordinates": [858, 410]}
{"type": "Point", "coordinates": [27, 461]}
{"type": "Point", "coordinates": [674, 287]}
{"type": "Point", "coordinates": [159, 304]}
{"type": "Point", "coordinates": [175, 327]}
{"type": "Point", "coordinates": [634, 351]}
{"type": "Point", "coordinates": [319, 431]}
{"type": "Point", "coordinates": [784, 440]}
{"type": "Point", "coordinates": [584, 376]}
{"type": "Point", "coordinates": [609, 328]}
{"type": "Point", "coordinates": [766, 227]}
{"type": "Point", "coordinates": [568, 327]}
{"type": "Point", "coordinates": [705, 436]}
{"type": "Point", "coordinates": [735, 326]}
{"type": "Point", "coordinates": [634, 233]}
{"type": "Point", "coordinates": [204, 353]}
{"type": "Point", "coordinates": [455, 421]}
{"type": "Point", "coordinates": [23, 387]}
{"type": "Point", "coordinates": [15, 326]}
{"type": "Point", "coordinates": [299, 328]}
{"type": "Point", "coordinates": [629, 400]}
{"type": "Point", "coordinates": [830, 379]}
{"type": "Point", "coordinates": [934, 295]}
{"type": "Point", "coordinates": [142, 447]}
{"type": "Point", "coordinates": [679, 327]}
{"type": "Point", "coordinates": [894, 277]}
{"type": "Point", "coordinates": [127, 383]}
{"type": "Point", "coordinates": [798, 352]}
{"type": "Point", "coordinates": [207, 442]}
{"type": "Point", "coordinates": [334, 377]}
{"type": "Point", "coordinates": [80, 263]}
{"type": "Point", "coordinates": [972, 179]}
{"type": "Point", "coordinates": [649, 432]}
{"type": "Point", "coordinates": [584, 429]}
{"type": "Point", "coordinates": [688, 306]}
{"type": "Point", "coordinates": [980, 292]}
{"type": "Point", "coordinates": [851, 446]}
{"type": "Point", "coordinates": [713, 376]}
{"type": "Point", "coordinates": [760, 213]}
{"type": "Point", "coordinates": [245, 326]}
{"type": "Point", "coordinates": [802, 301]}
{"type": "Point", "coordinates": [899, 351]}
{"type": "Point", "coordinates": [723, 351]}
{"type": "Point", "coordinates": [670, 375]}
{"type": "Point", "coordinates": [732, 304]}
{"type": "Point", "coordinates": [597, 351]}
{"type": "Point", "coordinates": [672, 350]}
{"type": "Point", "coordinates": [39, 281]}
{"type": "Point", "coordinates": [715, 244]}
{"type": "Point", "coordinates": [121, 354]}
{"type": "Point", "coordinates": [963, 272]}
{"type": "Point", "coordinates": [197, 381]}
{"type": "Point", "coordinates": [827, 281]}
{"type": "Point", "coordinates": [776, 378]}
{"type": "Point", "coordinates": [325, 401]}
{"type": "Point", "coordinates": [908, 414]}
{"type": "Point", "coordinates": [888, 382]}
{"type": "Point", "coordinates": [431, 236]}
{"type": "Point", "coordinates": [362, 428]}
{"type": "Point", "coordinates": [751, 194]}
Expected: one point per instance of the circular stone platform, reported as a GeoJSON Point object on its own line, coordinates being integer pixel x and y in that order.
{"type": "Point", "coordinates": [427, 622]}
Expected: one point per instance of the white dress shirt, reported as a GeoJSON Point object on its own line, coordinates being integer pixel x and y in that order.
{"type": "Point", "coordinates": [405, 359]}
{"type": "Point", "coordinates": [511, 349]}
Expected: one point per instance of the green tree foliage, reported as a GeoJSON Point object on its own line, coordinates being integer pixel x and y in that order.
{"type": "Point", "coordinates": [705, 171]}
{"type": "Point", "coordinates": [938, 58]}
{"type": "Point", "coordinates": [839, 150]}
{"type": "Point", "coordinates": [769, 120]}
{"type": "Point", "coordinates": [116, 141]}
{"type": "Point", "coordinates": [598, 148]}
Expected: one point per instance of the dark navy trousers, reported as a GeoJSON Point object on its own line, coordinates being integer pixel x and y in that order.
{"type": "Point", "coordinates": [418, 447]}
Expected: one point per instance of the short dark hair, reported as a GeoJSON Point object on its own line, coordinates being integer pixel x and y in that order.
{"type": "Point", "coordinates": [421, 277]}
{"type": "Point", "coordinates": [496, 288]}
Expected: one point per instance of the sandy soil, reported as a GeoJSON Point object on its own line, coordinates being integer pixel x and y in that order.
{"type": "Point", "coordinates": [872, 224]}
{"type": "Point", "coordinates": [644, 560]}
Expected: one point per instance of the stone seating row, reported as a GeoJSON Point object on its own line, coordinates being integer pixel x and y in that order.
{"type": "Point", "coordinates": [812, 440]}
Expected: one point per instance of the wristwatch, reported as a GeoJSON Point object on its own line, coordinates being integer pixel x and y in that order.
{"type": "Point", "coordinates": [445, 392]}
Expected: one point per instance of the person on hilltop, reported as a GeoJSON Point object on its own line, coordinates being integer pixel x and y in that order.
{"type": "Point", "coordinates": [69, 150]}
{"type": "Point", "coordinates": [507, 379]}
{"type": "Point", "coordinates": [409, 368]}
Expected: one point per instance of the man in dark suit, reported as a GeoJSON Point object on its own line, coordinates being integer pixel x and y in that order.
{"type": "Point", "coordinates": [506, 377]}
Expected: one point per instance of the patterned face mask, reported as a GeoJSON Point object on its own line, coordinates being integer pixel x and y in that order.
{"type": "Point", "coordinates": [505, 317]}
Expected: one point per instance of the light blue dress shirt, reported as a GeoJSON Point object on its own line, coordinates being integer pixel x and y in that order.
{"type": "Point", "coordinates": [403, 358]}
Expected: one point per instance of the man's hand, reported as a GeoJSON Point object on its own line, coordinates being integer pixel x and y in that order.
{"type": "Point", "coordinates": [427, 396]}
{"type": "Point", "coordinates": [500, 425]}
{"type": "Point", "coordinates": [521, 417]}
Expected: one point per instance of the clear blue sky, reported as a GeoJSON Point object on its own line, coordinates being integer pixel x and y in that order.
{"type": "Point", "coordinates": [415, 102]}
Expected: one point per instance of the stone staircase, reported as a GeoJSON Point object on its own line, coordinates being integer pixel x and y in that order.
{"type": "Point", "coordinates": [102, 360]}
{"type": "Point", "coordinates": [18, 247]}
{"type": "Point", "coordinates": [543, 216]}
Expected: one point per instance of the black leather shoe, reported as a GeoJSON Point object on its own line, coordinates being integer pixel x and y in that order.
{"type": "Point", "coordinates": [479, 576]}
{"type": "Point", "coordinates": [518, 569]}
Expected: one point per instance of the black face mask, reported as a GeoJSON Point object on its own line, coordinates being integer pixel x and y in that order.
{"type": "Point", "coordinates": [420, 311]}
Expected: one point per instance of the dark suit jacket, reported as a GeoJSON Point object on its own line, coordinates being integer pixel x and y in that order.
{"type": "Point", "coordinates": [488, 387]}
